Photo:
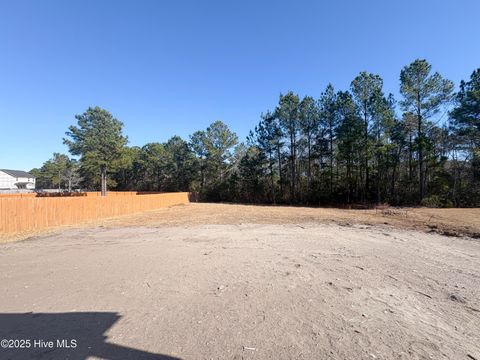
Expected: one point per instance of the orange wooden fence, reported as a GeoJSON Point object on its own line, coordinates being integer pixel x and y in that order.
{"type": "Point", "coordinates": [55, 194]}
{"type": "Point", "coordinates": [20, 214]}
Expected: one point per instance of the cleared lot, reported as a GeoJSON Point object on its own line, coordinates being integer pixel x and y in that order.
{"type": "Point", "coordinates": [245, 282]}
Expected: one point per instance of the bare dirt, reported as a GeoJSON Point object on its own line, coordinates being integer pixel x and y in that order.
{"type": "Point", "coordinates": [450, 222]}
{"type": "Point", "coordinates": [207, 281]}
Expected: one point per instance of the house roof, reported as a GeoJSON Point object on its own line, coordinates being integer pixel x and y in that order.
{"type": "Point", "coordinates": [17, 173]}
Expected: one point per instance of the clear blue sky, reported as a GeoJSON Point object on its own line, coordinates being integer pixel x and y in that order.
{"type": "Point", "coordinates": [173, 67]}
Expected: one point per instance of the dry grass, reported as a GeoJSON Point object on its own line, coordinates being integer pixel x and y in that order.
{"type": "Point", "coordinates": [453, 222]}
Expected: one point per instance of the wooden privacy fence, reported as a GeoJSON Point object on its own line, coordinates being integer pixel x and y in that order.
{"type": "Point", "coordinates": [20, 214]}
{"type": "Point", "coordinates": [87, 193]}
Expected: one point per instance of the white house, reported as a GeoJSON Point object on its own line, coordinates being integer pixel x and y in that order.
{"type": "Point", "coordinates": [16, 179]}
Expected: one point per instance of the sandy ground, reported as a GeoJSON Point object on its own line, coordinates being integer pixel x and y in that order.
{"type": "Point", "coordinates": [244, 282]}
{"type": "Point", "coordinates": [450, 222]}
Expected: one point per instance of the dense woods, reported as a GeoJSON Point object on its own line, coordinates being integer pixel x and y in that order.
{"type": "Point", "coordinates": [345, 146]}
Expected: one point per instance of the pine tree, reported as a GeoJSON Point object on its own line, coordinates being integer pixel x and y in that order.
{"type": "Point", "coordinates": [288, 115]}
{"type": "Point", "coordinates": [308, 116]}
{"type": "Point", "coordinates": [99, 142]}
{"type": "Point", "coordinates": [328, 116]}
{"type": "Point", "coordinates": [423, 95]}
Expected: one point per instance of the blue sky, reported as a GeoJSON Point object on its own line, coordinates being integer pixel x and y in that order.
{"type": "Point", "coordinates": [173, 67]}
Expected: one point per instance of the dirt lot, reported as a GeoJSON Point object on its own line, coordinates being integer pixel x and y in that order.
{"type": "Point", "coordinates": [244, 282]}
{"type": "Point", "coordinates": [450, 222]}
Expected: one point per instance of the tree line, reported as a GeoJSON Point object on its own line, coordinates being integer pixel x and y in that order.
{"type": "Point", "coordinates": [347, 146]}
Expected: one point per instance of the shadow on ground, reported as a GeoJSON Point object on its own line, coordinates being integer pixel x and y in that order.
{"type": "Point", "coordinates": [71, 336]}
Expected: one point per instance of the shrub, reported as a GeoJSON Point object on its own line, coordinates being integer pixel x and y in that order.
{"type": "Point", "coordinates": [432, 201]}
